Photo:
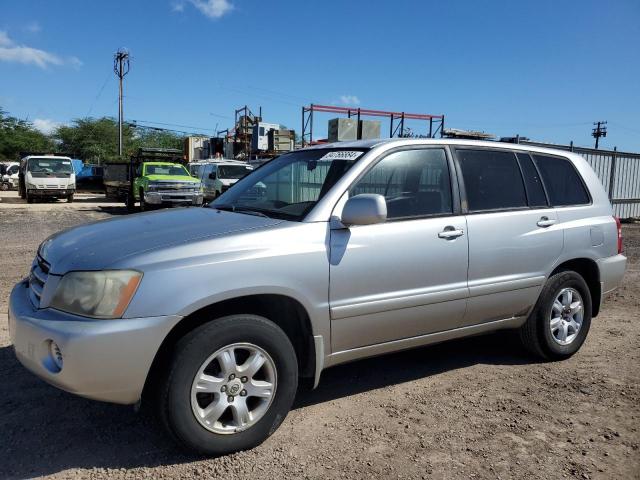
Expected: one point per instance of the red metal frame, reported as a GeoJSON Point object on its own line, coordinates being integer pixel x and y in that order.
{"type": "Point", "coordinates": [307, 119]}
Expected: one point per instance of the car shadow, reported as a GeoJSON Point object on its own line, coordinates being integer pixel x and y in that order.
{"type": "Point", "coordinates": [44, 431]}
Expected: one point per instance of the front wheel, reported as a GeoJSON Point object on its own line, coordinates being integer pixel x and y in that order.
{"type": "Point", "coordinates": [230, 385]}
{"type": "Point", "coordinates": [558, 325]}
{"type": "Point", "coordinates": [70, 198]}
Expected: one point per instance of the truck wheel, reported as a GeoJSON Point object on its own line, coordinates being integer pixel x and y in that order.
{"type": "Point", "coordinates": [29, 198]}
{"type": "Point", "coordinates": [130, 202]}
{"type": "Point", "coordinates": [229, 386]}
{"type": "Point", "coordinates": [558, 325]}
{"type": "Point", "coordinates": [4, 186]}
{"type": "Point", "coordinates": [143, 205]}
{"type": "Point", "coordinates": [70, 198]}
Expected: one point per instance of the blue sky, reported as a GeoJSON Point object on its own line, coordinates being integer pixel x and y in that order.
{"type": "Point", "coordinates": [544, 69]}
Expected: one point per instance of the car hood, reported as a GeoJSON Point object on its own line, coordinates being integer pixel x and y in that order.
{"type": "Point", "coordinates": [171, 178]}
{"type": "Point", "coordinates": [97, 245]}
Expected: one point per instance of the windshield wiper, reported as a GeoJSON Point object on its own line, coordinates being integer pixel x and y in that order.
{"type": "Point", "coordinates": [241, 209]}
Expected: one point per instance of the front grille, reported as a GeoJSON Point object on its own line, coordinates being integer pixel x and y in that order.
{"type": "Point", "coordinates": [37, 279]}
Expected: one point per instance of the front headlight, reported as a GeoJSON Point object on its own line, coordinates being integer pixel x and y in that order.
{"type": "Point", "coordinates": [152, 186]}
{"type": "Point", "coordinates": [103, 294]}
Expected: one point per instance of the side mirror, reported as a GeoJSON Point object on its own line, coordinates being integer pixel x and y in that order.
{"type": "Point", "coordinates": [212, 175]}
{"type": "Point", "coordinates": [364, 209]}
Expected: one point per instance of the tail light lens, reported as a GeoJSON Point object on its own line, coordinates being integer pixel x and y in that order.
{"type": "Point", "coordinates": [619, 227]}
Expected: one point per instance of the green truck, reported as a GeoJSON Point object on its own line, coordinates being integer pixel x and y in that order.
{"type": "Point", "coordinates": [154, 177]}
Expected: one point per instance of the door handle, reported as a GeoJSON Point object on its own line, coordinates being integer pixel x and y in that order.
{"type": "Point", "coordinates": [545, 222]}
{"type": "Point", "coordinates": [449, 233]}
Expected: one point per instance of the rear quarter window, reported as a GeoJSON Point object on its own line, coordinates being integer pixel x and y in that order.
{"type": "Point", "coordinates": [562, 181]}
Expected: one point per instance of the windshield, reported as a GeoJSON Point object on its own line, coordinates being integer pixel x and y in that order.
{"type": "Point", "coordinates": [289, 186]}
{"type": "Point", "coordinates": [174, 170]}
{"type": "Point", "coordinates": [233, 171]}
{"type": "Point", "coordinates": [50, 167]}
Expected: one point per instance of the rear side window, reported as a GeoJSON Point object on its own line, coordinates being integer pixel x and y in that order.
{"type": "Point", "coordinates": [535, 190]}
{"type": "Point", "coordinates": [492, 180]}
{"type": "Point", "coordinates": [564, 185]}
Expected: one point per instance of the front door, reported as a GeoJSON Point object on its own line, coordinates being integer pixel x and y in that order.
{"type": "Point", "coordinates": [408, 276]}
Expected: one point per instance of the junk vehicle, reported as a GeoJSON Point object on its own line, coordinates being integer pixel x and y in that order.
{"type": "Point", "coordinates": [218, 175]}
{"type": "Point", "coordinates": [46, 177]}
{"type": "Point", "coordinates": [154, 177]}
{"type": "Point", "coordinates": [9, 175]}
{"type": "Point", "coordinates": [358, 249]}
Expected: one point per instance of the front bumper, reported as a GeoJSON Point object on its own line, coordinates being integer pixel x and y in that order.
{"type": "Point", "coordinates": [104, 360]}
{"type": "Point", "coordinates": [50, 192]}
{"type": "Point", "coordinates": [158, 198]}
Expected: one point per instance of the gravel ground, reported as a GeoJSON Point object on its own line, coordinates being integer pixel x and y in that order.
{"type": "Point", "coordinates": [475, 408]}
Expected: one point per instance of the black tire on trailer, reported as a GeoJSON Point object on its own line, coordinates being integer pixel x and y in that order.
{"type": "Point", "coordinates": [559, 323]}
{"type": "Point", "coordinates": [229, 385]}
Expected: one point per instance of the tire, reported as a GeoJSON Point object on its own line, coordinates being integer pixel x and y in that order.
{"type": "Point", "coordinates": [194, 351]}
{"type": "Point", "coordinates": [70, 198]}
{"type": "Point", "coordinates": [4, 186]}
{"type": "Point", "coordinates": [29, 198]}
{"type": "Point", "coordinates": [537, 334]}
{"type": "Point", "coordinates": [130, 201]}
{"type": "Point", "coordinates": [143, 205]}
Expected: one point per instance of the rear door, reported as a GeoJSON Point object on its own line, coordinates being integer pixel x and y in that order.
{"type": "Point", "coordinates": [407, 276]}
{"type": "Point", "coordinates": [514, 236]}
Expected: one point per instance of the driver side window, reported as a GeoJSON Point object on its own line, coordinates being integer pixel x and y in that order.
{"type": "Point", "coordinates": [414, 183]}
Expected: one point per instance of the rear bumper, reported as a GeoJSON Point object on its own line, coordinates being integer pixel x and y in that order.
{"type": "Point", "coordinates": [611, 272]}
{"type": "Point", "coordinates": [106, 360]}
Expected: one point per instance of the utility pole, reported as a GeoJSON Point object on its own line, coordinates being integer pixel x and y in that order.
{"type": "Point", "coordinates": [599, 131]}
{"type": "Point", "coordinates": [120, 68]}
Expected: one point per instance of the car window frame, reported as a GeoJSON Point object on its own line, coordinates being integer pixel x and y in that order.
{"type": "Point", "coordinates": [544, 187]}
{"type": "Point", "coordinates": [463, 191]}
{"type": "Point", "coordinates": [567, 159]}
{"type": "Point", "coordinates": [453, 181]}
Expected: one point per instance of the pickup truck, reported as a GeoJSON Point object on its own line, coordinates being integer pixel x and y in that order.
{"type": "Point", "coordinates": [153, 177]}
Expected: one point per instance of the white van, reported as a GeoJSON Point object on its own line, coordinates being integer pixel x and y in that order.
{"type": "Point", "coordinates": [47, 176]}
{"type": "Point", "coordinates": [218, 175]}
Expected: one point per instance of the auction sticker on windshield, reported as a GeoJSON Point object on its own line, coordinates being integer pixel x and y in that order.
{"type": "Point", "coordinates": [342, 155]}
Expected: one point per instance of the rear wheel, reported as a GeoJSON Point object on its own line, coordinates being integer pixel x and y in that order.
{"type": "Point", "coordinates": [560, 321]}
{"type": "Point", "coordinates": [230, 385]}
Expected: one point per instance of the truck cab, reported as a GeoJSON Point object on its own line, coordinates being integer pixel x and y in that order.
{"type": "Point", "coordinates": [46, 177]}
{"type": "Point", "coordinates": [217, 176]}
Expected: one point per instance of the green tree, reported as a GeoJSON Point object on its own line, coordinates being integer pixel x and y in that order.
{"type": "Point", "coordinates": [95, 140]}
{"type": "Point", "coordinates": [17, 136]}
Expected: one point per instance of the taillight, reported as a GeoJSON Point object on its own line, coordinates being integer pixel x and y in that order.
{"type": "Point", "coordinates": [619, 226]}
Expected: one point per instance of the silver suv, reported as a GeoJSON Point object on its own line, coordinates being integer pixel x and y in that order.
{"type": "Point", "coordinates": [352, 250]}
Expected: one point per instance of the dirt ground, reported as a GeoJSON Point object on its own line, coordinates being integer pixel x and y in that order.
{"type": "Point", "coordinates": [475, 408]}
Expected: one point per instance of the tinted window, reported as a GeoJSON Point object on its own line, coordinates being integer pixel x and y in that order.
{"type": "Point", "coordinates": [492, 180]}
{"type": "Point", "coordinates": [535, 190]}
{"type": "Point", "coordinates": [563, 184]}
{"type": "Point", "coordinates": [413, 182]}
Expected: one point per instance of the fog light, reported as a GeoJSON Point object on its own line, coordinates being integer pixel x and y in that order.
{"type": "Point", "coordinates": [53, 361]}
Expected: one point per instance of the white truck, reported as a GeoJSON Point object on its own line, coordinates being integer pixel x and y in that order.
{"type": "Point", "coordinates": [46, 177]}
{"type": "Point", "coordinates": [217, 175]}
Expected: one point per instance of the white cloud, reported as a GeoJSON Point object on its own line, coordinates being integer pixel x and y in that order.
{"type": "Point", "coordinates": [177, 6]}
{"type": "Point", "coordinates": [213, 8]}
{"type": "Point", "coordinates": [46, 125]}
{"type": "Point", "coordinates": [32, 27]}
{"type": "Point", "coordinates": [11, 52]}
{"type": "Point", "coordinates": [349, 100]}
